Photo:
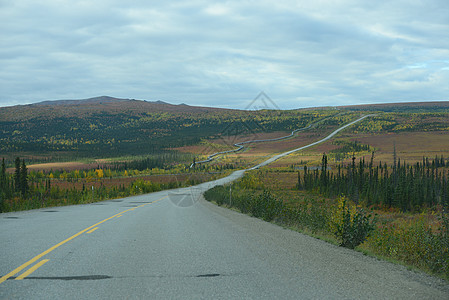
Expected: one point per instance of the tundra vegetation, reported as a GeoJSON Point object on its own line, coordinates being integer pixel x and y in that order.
{"type": "Point", "coordinates": [375, 187]}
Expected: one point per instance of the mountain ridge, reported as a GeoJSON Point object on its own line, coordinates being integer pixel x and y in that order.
{"type": "Point", "coordinates": [105, 100]}
{"type": "Point", "coordinates": [105, 126]}
{"type": "Point", "coordinates": [93, 100]}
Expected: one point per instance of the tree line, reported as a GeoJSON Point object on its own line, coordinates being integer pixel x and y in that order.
{"type": "Point", "coordinates": [16, 186]}
{"type": "Point", "coordinates": [399, 185]}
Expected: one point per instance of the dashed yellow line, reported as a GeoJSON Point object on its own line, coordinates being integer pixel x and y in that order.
{"type": "Point", "coordinates": [32, 269]}
{"type": "Point", "coordinates": [92, 230]}
{"type": "Point", "coordinates": [37, 257]}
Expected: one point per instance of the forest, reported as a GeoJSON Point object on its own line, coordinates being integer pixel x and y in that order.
{"type": "Point", "coordinates": [409, 188]}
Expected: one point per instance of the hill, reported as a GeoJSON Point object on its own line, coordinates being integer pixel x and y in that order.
{"type": "Point", "coordinates": [106, 126]}
{"type": "Point", "coordinates": [95, 100]}
{"type": "Point", "coordinates": [109, 127]}
{"type": "Point", "coordinates": [91, 106]}
{"type": "Point", "coordinates": [402, 107]}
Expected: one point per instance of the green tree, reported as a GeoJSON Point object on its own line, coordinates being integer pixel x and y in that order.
{"type": "Point", "coordinates": [23, 179]}
{"type": "Point", "coordinates": [4, 185]}
{"type": "Point", "coordinates": [323, 172]}
{"type": "Point", "coordinates": [17, 182]}
{"type": "Point", "coordinates": [3, 180]}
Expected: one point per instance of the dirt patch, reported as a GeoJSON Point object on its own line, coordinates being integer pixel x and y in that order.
{"type": "Point", "coordinates": [68, 166]}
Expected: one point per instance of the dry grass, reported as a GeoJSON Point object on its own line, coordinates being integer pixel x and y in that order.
{"type": "Point", "coordinates": [409, 146]}
{"type": "Point", "coordinates": [126, 181]}
{"type": "Point", "coordinates": [68, 166]}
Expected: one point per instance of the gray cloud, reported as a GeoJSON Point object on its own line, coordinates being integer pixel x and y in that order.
{"type": "Point", "coordinates": [301, 53]}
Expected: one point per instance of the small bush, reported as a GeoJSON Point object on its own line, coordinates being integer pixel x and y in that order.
{"type": "Point", "coordinates": [438, 254]}
{"type": "Point", "coordinates": [218, 194]}
{"type": "Point", "coordinates": [313, 215]}
{"type": "Point", "coordinates": [351, 226]}
{"type": "Point", "coordinates": [265, 206]}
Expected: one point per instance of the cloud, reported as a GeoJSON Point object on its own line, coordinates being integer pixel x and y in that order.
{"type": "Point", "coordinates": [223, 53]}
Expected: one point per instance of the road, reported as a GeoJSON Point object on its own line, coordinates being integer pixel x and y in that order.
{"type": "Point", "coordinates": [240, 146]}
{"type": "Point", "coordinates": [276, 157]}
{"type": "Point", "coordinates": [175, 245]}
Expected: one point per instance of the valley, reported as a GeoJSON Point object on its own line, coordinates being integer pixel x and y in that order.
{"type": "Point", "coordinates": [122, 148]}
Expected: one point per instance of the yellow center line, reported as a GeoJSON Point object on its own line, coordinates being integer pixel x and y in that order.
{"type": "Point", "coordinates": [37, 257]}
{"type": "Point", "coordinates": [32, 269]}
{"type": "Point", "coordinates": [92, 230]}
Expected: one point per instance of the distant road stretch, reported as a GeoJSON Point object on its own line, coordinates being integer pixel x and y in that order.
{"type": "Point", "coordinates": [240, 145]}
{"type": "Point", "coordinates": [276, 157]}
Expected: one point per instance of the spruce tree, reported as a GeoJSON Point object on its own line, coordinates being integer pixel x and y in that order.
{"type": "Point", "coordinates": [3, 176]}
{"type": "Point", "coordinates": [3, 185]}
{"type": "Point", "coordinates": [17, 186]}
{"type": "Point", "coordinates": [306, 180]}
{"type": "Point", "coordinates": [23, 179]}
{"type": "Point", "coordinates": [323, 177]}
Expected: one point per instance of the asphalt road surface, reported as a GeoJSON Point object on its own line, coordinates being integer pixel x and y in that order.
{"type": "Point", "coordinates": [173, 245]}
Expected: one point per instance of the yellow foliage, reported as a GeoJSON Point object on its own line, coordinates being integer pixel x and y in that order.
{"type": "Point", "coordinates": [251, 181]}
{"type": "Point", "coordinates": [343, 205]}
{"type": "Point", "coordinates": [99, 173]}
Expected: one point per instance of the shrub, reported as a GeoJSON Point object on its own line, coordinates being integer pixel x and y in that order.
{"type": "Point", "coordinates": [265, 206]}
{"type": "Point", "coordinates": [219, 194]}
{"type": "Point", "coordinates": [414, 242]}
{"type": "Point", "coordinates": [313, 215]}
{"type": "Point", "coordinates": [351, 225]}
{"type": "Point", "coordinates": [438, 254]}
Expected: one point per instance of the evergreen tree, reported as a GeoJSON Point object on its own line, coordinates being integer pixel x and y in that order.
{"type": "Point", "coordinates": [407, 187]}
{"type": "Point", "coordinates": [306, 179]}
{"type": "Point", "coordinates": [17, 186]}
{"type": "Point", "coordinates": [4, 185]}
{"type": "Point", "coordinates": [3, 174]}
{"type": "Point", "coordinates": [23, 179]}
{"type": "Point", "coordinates": [323, 176]}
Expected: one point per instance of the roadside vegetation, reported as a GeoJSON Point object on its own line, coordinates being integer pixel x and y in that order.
{"type": "Point", "coordinates": [24, 190]}
{"type": "Point", "coordinates": [415, 234]}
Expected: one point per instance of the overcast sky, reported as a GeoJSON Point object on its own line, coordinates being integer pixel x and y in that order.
{"type": "Point", "coordinates": [223, 53]}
